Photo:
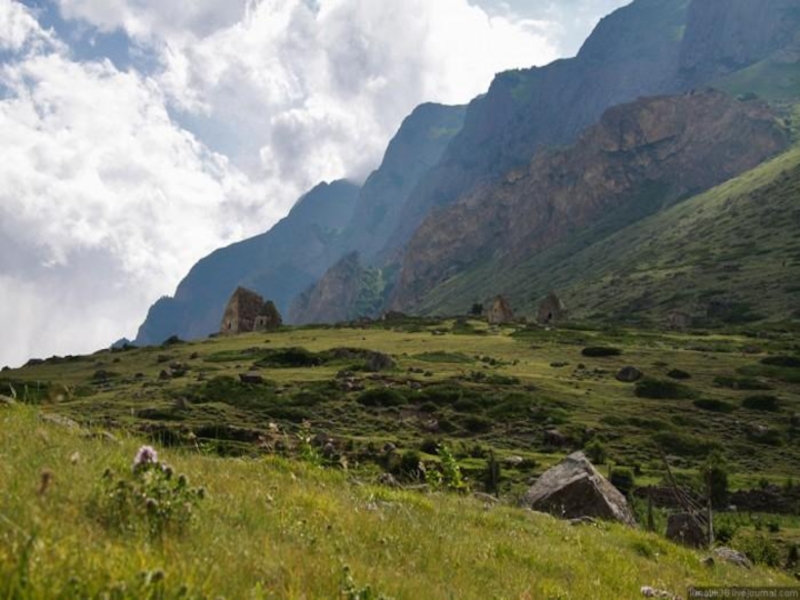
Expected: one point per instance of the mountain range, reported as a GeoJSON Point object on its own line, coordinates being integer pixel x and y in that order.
{"type": "Point", "coordinates": [585, 176]}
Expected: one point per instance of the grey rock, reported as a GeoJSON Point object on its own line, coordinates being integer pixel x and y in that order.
{"type": "Point", "coordinates": [251, 377]}
{"type": "Point", "coordinates": [683, 529]}
{"type": "Point", "coordinates": [732, 556]}
{"type": "Point", "coordinates": [574, 489]}
{"type": "Point", "coordinates": [629, 374]}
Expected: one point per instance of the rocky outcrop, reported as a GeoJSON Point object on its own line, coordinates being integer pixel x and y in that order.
{"type": "Point", "coordinates": [348, 290]}
{"type": "Point", "coordinates": [574, 489]}
{"type": "Point", "coordinates": [282, 263]}
{"type": "Point", "coordinates": [640, 158]}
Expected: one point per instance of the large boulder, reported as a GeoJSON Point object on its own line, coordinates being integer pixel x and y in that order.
{"type": "Point", "coordinates": [574, 489]}
{"type": "Point", "coordinates": [683, 529]}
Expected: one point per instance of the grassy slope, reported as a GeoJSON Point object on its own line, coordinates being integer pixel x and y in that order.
{"type": "Point", "coordinates": [276, 529]}
{"type": "Point", "coordinates": [741, 239]}
{"type": "Point", "coordinates": [555, 387]}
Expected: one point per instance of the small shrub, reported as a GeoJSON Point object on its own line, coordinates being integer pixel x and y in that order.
{"type": "Point", "coordinates": [596, 452]}
{"type": "Point", "coordinates": [742, 383]}
{"type": "Point", "coordinates": [714, 405]}
{"type": "Point", "coordinates": [781, 361]}
{"type": "Point", "coordinates": [663, 390]}
{"type": "Point", "coordinates": [382, 397]}
{"type": "Point", "coordinates": [679, 374]}
{"type": "Point", "coordinates": [623, 479]}
{"type": "Point", "coordinates": [683, 444]}
{"type": "Point", "coordinates": [429, 446]}
{"type": "Point", "coordinates": [762, 403]}
{"type": "Point", "coordinates": [477, 424]}
{"type": "Point", "coordinates": [451, 472]}
{"type": "Point", "coordinates": [289, 358]}
{"type": "Point", "coordinates": [151, 495]}
{"type": "Point", "coordinates": [760, 549]}
{"type": "Point", "coordinates": [599, 352]}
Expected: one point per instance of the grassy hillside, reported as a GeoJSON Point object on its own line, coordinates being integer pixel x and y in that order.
{"type": "Point", "coordinates": [270, 528]}
{"type": "Point", "coordinates": [738, 243]}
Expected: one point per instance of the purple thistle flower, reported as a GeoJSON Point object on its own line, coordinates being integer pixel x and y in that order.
{"type": "Point", "coordinates": [146, 455]}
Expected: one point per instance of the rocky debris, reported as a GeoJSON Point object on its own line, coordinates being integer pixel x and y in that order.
{"type": "Point", "coordinates": [629, 375]}
{"type": "Point", "coordinates": [678, 321]}
{"type": "Point", "coordinates": [7, 401]}
{"type": "Point", "coordinates": [732, 556]}
{"type": "Point", "coordinates": [551, 310]}
{"type": "Point", "coordinates": [553, 437]}
{"type": "Point", "coordinates": [651, 592]}
{"type": "Point", "coordinates": [574, 489]}
{"type": "Point", "coordinates": [251, 377]}
{"type": "Point", "coordinates": [514, 461]}
{"type": "Point", "coordinates": [500, 312]}
{"type": "Point", "coordinates": [388, 480]}
{"type": "Point", "coordinates": [247, 311]}
{"type": "Point", "coordinates": [378, 361]}
{"type": "Point", "coordinates": [683, 529]}
{"type": "Point", "coordinates": [583, 521]}
{"type": "Point", "coordinates": [164, 375]}
{"type": "Point", "coordinates": [59, 420]}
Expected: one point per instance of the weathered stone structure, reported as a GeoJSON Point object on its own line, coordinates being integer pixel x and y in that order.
{"type": "Point", "coordinates": [551, 310]}
{"type": "Point", "coordinates": [246, 311]}
{"type": "Point", "coordinates": [500, 312]}
{"type": "Point", "coordinates": [574, 489]}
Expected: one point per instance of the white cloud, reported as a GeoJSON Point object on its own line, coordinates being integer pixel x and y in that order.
{"type": "Point", "coordinates": [113, 183]}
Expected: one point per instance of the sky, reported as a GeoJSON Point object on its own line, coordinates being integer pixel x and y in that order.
{"type": "Point", "coordinates": [137, 136]}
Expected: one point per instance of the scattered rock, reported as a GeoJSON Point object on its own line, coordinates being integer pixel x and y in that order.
{"type": "Point", "coordinates": [59, 420]}
{"type": "Point", "coordinates": [574, 489]}
{"type": "Point", "coordinates": [553, 437]}
{"type": "Point", "coordinates": [514, 461]}
{"type": "Point", "coordinates": [629, 374]}
{"type": "Point", "coordinates": [378, 361]}
{"type": "Point", "coordinates": [583, 521]}
{"type": "Point", "coordinates": [389, 447]}
{"type": "Point", "coordinates": [252, 378]}
{"type": "Point", "coordinates": [651, 592]}
{"type": "Point", "coordinates": [388, 480]}
{"type": "Point", "coordinates": [732, 556]}
{"type": "Point", "coordinates": [164, 375]}
{"type": "Point", "coordinates": [683, 529]}
{"type": "Point", "coordinates": [6, 401]}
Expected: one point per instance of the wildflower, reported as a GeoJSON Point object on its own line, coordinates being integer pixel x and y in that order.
{"type": "Point", "coordinates": [146, 455]}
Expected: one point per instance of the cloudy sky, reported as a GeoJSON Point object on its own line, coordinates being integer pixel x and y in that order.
{"type": "Point", "coordinates": [136, 136]}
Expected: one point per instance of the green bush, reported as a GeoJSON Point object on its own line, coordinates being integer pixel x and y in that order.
{"type": "Point", "coordinates": [663, 390]}
{"type": "Point", "coordinates": [713, 405]}
{"type": "Point", "coordinates": [762, 403]}
{"type": "Point", "coordinates": [781, 361]}
{"type": "Point", "coordinates": [679, 374]}
{"type": "Point", "coordinates": [623, 479]}
{"type": "Point", "coordinates": [599, 352]}
{"type": "Point", "coordinates": [288, 358]}
{"type": "Point", "coordinates": [742, 383]}
{"type": "Point", "coordinates": [382, 397]}
{"type": "Point", "coordinates": [683, 444]}
{"type": "Point", "coordinates": [760, 549]}
{"type": "Point", "coordinates": [149, 496]}
{"type": "Point", "coordinates": [596, 452]}
{"type": "Point", "coordinates": [478, 424]}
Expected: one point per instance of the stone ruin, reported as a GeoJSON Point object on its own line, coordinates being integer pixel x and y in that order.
{"type": "Point", "coordinates": [247, 312]}
{"type": "Point", "coordinates": [551, 310]}
{"type": "Point", "coordinates": [500, 312]}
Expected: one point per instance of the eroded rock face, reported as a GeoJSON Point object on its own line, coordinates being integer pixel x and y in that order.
{"type": "Point", "coordinates": [640, 157]}
{"type": "Point", "coordinates": [574, 489]}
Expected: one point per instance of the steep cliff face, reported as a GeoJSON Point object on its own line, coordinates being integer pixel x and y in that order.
{"type": "Point", "coordinates": [418, 145]}
{"type": "Point", "coordinates": [279, 264]}
{"type": "Point", "coordinates": [326, 224]}
{"type": "Point", "coordinates": [633, 52]}
{"type": "Point", "coordinates": [347, 290]}
{"type": "Point", "coordinates": [640, 157]}
{"type": "Point", "coordinates": [723, 36]}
